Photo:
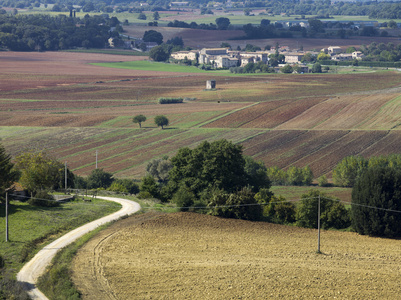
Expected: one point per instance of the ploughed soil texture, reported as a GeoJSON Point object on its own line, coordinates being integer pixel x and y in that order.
{"type": "Point", "coordinates": [194, 256]}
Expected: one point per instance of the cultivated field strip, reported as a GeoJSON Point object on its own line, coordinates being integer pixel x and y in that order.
{"type": "Point", "coordinates": [194, 256]}
{"type": "Point", "coordinates": [59, 103]}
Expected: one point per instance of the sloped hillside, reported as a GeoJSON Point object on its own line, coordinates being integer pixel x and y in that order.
{"type": "Point", "coordinates": [193, 256]}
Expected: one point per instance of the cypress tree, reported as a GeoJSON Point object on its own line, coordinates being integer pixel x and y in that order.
{"type": "Point", "coordinates": [376, 197]}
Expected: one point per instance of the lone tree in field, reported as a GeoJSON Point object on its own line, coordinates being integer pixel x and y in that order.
{"type": "Point", "coordinates": [376, 202]}
{"type": "Point", "coordinates": [139, 119]}
{"type": "Point", "coordinates": [161, 121]}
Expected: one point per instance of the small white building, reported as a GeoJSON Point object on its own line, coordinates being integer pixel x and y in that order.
{"type": "Point", "coordinates": [342, 57]}
{"type": "Point", "coordinates": [225, 61]}
{"type": "Point", "coordinates": [294, 57]}
{"type": "Point", "coordinates": [180, 55]}
{"type": "Point", "coordinates": [334, 50]}
{"type": "Point", "coordinates": [357, 55]}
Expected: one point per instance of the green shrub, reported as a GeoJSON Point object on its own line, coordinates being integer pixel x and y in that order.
{"type": "Point", "coordinates": [330, 211]}
{"type": "Point", "coordinates": [144, 195]}
{"type": "Point", "coordinates": [239, 205]}
{"type": "Point", "coordinates": [184, 198]}
{"type": "Point", "coordinates": [280, 211]}
{"type": "Point", "coordinates": [43, 198]}
{"type": "Point", "coordinates": [11, 288]}
{"type": "Point", "coordinates": [163, 100]}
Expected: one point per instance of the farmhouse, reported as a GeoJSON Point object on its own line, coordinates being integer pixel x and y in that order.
{"type": "Point", "coordinates": [209, 55]}
{"type": "Point", "coordinates": [357, 55]}
{"type": "Point", "coordinates": [294, 58]}
{"type": "Point", "coordinates": [342, 57]}
{"type": "Point", "coordinates": [225, 61]}
{"type": "Point", "coordinates": [180, 55]}
{"type": "Point", "coordinates": [334, 50]}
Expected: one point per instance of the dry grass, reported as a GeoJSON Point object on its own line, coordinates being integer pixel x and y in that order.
{"type": "Point", "coordinates": [191, 256]}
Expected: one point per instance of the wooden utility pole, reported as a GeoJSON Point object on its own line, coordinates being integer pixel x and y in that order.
{"type": "Point", "coordinates": [96, 159]}
{"type": "Point", "coordinates": [318, 226]}
{"type": "Point", "coordinates": [65, 175]}
{"type": "Point", "coordinates": [6, 216]}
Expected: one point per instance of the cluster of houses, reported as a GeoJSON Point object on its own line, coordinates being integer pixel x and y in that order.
{"type": "Point", "coordinates": [226, 58]}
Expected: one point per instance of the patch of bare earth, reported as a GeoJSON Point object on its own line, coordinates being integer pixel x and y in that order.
{"type": "Point", "coordinates": [193, 256]}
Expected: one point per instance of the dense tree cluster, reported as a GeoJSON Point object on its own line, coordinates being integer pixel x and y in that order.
{"type": "Point", "coordinates": [44, 32]}
{"type": "Point", "coordinates": [193, 25]}
{"type": "Point", "coordinates": [381, 52]}
{"type": "Point", "coordinates": [376, 202]}
{"type": "Point", "coordinates": [292, 176]}
{"type": "Point", "coordinates": [351, 168]}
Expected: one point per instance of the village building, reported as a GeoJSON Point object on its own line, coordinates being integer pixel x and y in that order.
{"type": "Point", "coordinates": [180, 55]}
{"type": "Point", "coordinates": [294, 57]}
{"type": "Point", "coordinates": [334, 50]}
{"type": "Point", "coordinates": [342, 57]}
{"type": "Point", "coordinates": [209, 55]}
{"type": "Point", "coordinates": [179, 4]}
{"type": "Point", "coordinates": [357, 55]}
{"type": "Point", "coordinates": [225, 61]}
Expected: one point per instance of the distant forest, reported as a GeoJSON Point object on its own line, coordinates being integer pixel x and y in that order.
{"type": "Point", "coordinates": [322, 8]}
{"type": "Point", "coordinates": [43, 32]}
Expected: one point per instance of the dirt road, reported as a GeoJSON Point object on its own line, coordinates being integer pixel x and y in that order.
{"type": "Point", "coordinates": [37, 265]}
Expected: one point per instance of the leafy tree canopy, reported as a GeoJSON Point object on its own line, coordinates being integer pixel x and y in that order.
{"type": "Point", "coordinates": [139, 119]}
{"type": "Point", "coordinates": [39, 171]}
{"type": "Point", "coordinates": [161, 121]}
{"type": "Point", "coordinates": [153, 36]}
{"type": "Point", "coordinates": [99, 178]}
{"type": "Point", "coordinates": [8, 175]}
{"type": "Point", "coordinates": [219, 165]}
{"type": "Point", "coordinates": [376, 202]}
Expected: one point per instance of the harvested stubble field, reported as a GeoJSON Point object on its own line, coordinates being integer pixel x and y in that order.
{"type": "Point", "coordinates": [193, 256]}
{"type": "Point", "coordinates": [61, 103]}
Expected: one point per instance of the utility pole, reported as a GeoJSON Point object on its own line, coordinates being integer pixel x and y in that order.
{"type": "Point", "coordinates": [96, 159]}
{"type": "Point", "coordinates": [318, 226]}
{"type": "Point", "coordinates": [65, 169]}
{"type": "Point", "coordinates": [6, 216]}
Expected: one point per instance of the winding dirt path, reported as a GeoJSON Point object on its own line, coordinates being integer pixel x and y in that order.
{"type": "Point", "coordinates": [32, 270]}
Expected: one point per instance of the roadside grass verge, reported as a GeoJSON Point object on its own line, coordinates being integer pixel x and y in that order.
{"type": "Point", "coordinates": [56, 282]}
{"type": "Point", "coordinates": [31, 228]}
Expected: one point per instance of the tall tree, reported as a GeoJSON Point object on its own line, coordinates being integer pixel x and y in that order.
{"type": "Point", "coordinates": [222, 23]}
{"type": "Point", "coordinates": [376, 202]}
{"type": "Point", "coordinates": [99, 178]}
{"type": "Point", "coordinates": [216, 165]}
{"type": "Point", "coordinates": [39, 171]}
{"type": "Point", "coordinates": [153, 36]}
{"type": "Point", "coordinates": [8, 175]}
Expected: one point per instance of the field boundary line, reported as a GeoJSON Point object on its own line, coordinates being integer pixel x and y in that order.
{"type": "Point", "coordinates": [225, 114]}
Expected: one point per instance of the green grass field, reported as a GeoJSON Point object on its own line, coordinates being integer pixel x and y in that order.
{"type": "Point", "coordinates": [31, 227]}
{"type": "Point", "coordinates": [145, 65]}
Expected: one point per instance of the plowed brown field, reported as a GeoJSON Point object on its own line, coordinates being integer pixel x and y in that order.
{"type": "Point", "coordinates": [58, 102]}
{"type": "Point", "coordinates": [193, 256]}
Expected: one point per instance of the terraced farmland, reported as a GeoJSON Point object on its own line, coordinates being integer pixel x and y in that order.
{"type": "Point", "coordinates": [60, 103]}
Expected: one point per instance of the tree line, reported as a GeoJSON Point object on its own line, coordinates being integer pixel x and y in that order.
{"type": "Point", "coordinates": [217, 179]}
{"type": "Point", "coordinates": [44, 32]}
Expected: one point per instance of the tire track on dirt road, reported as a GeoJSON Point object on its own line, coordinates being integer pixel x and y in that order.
{"type": "Point", "coordinates": [32, 270]}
